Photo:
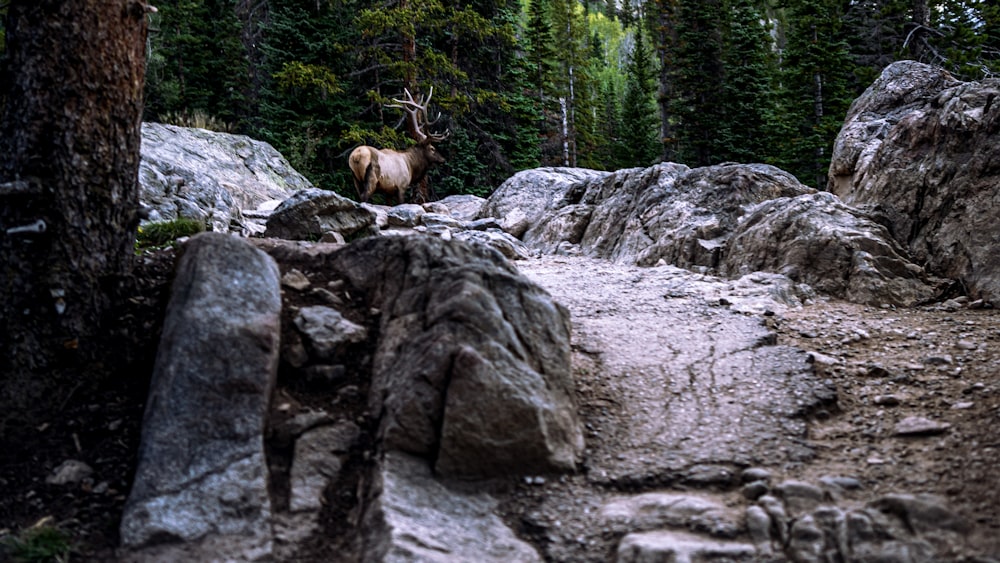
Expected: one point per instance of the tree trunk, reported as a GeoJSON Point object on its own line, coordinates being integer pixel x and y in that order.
{"type": "Point", "coordinates": [69, 159]}
{"type": "Point", "coordinates": [921, 22]}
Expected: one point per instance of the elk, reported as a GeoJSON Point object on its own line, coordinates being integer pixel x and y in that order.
{"type": "Point", "coordinates": [390, 171]}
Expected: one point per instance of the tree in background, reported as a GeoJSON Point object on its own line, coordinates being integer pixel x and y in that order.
{"type": "Point", "coordinates": [749, 77]}
{"type": "Point", "coordinates": [529, 82]}
{"type": "Point", "coordinates": [541, 55]}
{"type": "Point", "coordinates": [69, 161]}
{"type": "Point", "coordinates": [815, 91]}
{"type": "Point", "coordinates": [640, 123]}
{"type": "Point", "coordinates": [662, 19]}
{"type": "Point", "coordinates": [570, 31]}
{"type": "Point", "coordinates": [305, 100]}
{"type": "Point", "coordinates": [697, 79]}
{"type": "Point", "coordinates": [197, 63]}
{"type": "Point", "coordinates": [963, 37]}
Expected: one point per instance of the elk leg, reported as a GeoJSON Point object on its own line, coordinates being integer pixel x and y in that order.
{"type": "Point", "coordinates": [371, 178]}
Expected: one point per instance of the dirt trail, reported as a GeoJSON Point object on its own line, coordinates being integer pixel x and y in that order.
{"type": "Point", "coordinates": [685, 381]}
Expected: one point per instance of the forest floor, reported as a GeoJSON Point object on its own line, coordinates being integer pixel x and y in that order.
{"type": "Point", "coordinates": [939, 362]}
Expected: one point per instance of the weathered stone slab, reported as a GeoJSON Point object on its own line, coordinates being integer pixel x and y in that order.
{"type": "Point", "coordinates": [414, 517]}
{"type": "Point", "coordinates": [920, 148]}
{"type": "Point", "coordinates": [311, 213]}
{"type": "Point", "coordinates": [202, 470]}
{"type": "Point", "coordinates": [472, 363]}
{"type": "Point", "coordinates": [210, 176]}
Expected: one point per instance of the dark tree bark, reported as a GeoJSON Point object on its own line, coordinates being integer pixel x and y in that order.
{"type": "Point", "coordinates": [69, 158]}
{"type": "Point", "coordinates": [921, 25]}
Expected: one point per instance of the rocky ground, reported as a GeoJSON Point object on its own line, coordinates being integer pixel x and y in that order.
{"type": "Point", "coordinates": [702, 399]}
{"type": "Point", "coordinates": [670, 411]}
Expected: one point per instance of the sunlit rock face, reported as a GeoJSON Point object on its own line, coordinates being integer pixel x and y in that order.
{"type": "Point", "coordinates": [920, 150]}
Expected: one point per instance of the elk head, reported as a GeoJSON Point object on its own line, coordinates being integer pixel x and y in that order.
{"type": "Point", "coordinates": [416, 110]}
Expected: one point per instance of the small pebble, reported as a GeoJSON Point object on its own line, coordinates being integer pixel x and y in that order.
{"type": "Point", "coordinates": [920, 426]}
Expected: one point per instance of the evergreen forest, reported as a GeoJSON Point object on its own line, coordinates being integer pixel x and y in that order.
{"type": "Point", "coordinates": [527, 83]}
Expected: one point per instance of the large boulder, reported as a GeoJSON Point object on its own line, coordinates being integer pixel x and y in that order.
{"type": "Point", "coordinates": [202, 471]}
{"type": "Point", "coordinates": [641, 216]}
{"type": "Point", "coordinates": [817, 240]}
{"type": "Point", "coordinates": [312, 213]}
{"type": "Point", "coordinates": [920, 150]}
{"type": "Point", "coordinates": [211, 177]}
{"type": "Point", "coordinates": [525, 197]}
{"type": "Point", "coordinates": [411, 516]}
{"type": "Point", "coordinates": [676, 215]}
{"type": "Point", "coordinates": [472, 366]}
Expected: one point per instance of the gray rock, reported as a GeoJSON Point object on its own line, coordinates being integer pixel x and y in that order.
{"type": "Point", "coordinates": [317, 462]}
{"type": "Point", "coordinates": [405, 215]}
{"type": "Point", "coordinates": [919, 149]}
{"type": "Point", "coordinates": [759, 529]}
{"type": "Point", "coordinates": [523, 199]}
{"type": "Point", "coordinates": [919, 425]}
{"type": "Point", "coordinates": [817, 240]}
{"type": "Point", "coordinates": [326, 332]}
{"type": "Point", "coordinates": [922, 513]}
{"type": "Point", "coordinates": [661, 545]}
{"type": "Point", "coordinates": [505, 244]}
{"type": "Point", "coordinates": [433, 220]}
{"type": "Point", "coordinates": [806, 541]}
{"type": "Point", "coordinates": [211, 177]}
{"type": "Point", "coordinates": [755, 474]}
{"type": "Point", "coordinates": [295, 280]}
{"type": "Point", "coordinates": [658, 510]}
{"type": "Point", "coordinates": [732, 219]}
{"type": "Point", "coordinates": [472, 365]}
{"type": "Point", "coordinates": [69, 472]}
{"type": "Point", "coordinates": [311, 213]}
{"type": "Point", "coordinates": [414, 517]}
{"type": "Point", "coordinates": [800, 497]}
{"type": "Point", "coordinates": [463, 207]}
{"type": "Point", "coordinates": [201, 468]}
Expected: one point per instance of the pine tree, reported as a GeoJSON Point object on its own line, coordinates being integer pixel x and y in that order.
{"type": "Point", "coordinates": [815, 92]}
{"type": "Point", "coordinates": [197, 62]}
{"type": "Point", "coordinates": [662, 21]}
{"type": "Point", "coordinates": [749, 74]}
{"type": "Point", "coordinates": [305, 101]}
{"type": "Point", "coordinates": [698, 82]}
{"type": "Point", "coordinates": [640, 122]}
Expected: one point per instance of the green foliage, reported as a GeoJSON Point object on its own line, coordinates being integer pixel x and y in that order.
{"type": "Point", "coordinates": [815, 88]}
{"type": "Point", "coordinates": [747, 89]}
{"type": "Point", "coordinates": [464, 172]}
{"type": "Point", "coordinates": [307, 77]}
{"type": "Point", "coordinates": [698, 82]}
{"type": "Point", "coordinates": [548, 82]}
{"type": "Point", "coordinates": [39, 544]}
{"type": "Point", "coordinates": [156, 235]}
{"type": "Point", "coordinates": [196, 118]}
{"type": "Point", "coordinates": [639, 122]}
{"type": "Point", "coordinates": [196, 61]}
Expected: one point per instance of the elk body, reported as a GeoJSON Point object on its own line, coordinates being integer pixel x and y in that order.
{"type": "Point", "coordinates": [390, 171]}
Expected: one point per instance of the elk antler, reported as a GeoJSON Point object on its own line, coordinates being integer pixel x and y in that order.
{"type": "Point", "coordinates": [417, 110]}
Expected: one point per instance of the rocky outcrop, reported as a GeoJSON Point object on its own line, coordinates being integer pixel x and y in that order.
{"type": "Point", "coordinates": [213, 177]}
{"type": "Point", "coordinates": [817, 240]}
{"type": "Point", "coordinates": [919, 149]}
{"type": "Point", "coordinates": [472, 365]}
{"type": "Point", "coordinates": [312, 213]}
{"type": "Point", "coordinates": [202, 473]}
{"type": "Point", "coordinates": [319, 215]}
{"type": "Point", "coordinates": [525, 198]}
{"type": "Point", "coordinates": [412, 516]}
{"type": "Point", "coordinates": [730, 219]}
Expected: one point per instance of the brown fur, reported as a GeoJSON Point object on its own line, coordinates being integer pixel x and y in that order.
{"type": "Point", "coordinates": [389, 171]}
